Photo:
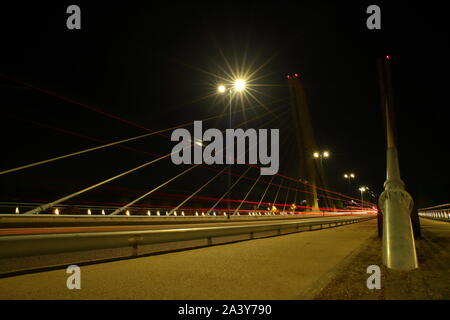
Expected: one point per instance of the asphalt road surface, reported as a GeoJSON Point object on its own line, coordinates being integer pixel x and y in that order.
{"type": "Point", "coordinates": [292, 266]}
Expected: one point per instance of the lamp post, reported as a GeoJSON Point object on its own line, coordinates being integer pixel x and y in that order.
{"type": "Point", "coordinates": [362, 189]}
{"type": "Point", "coordinates": [348, 177]}
{"type": "Point", "coordinates": [321, 155]}
{"type": "Point", "coordinates": [239, 85]}
{"type": "Point", "coordinates": [399, 250]}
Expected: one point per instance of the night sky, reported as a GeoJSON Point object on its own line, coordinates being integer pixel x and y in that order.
{"type": "Point", "coordinates": [158, 65]}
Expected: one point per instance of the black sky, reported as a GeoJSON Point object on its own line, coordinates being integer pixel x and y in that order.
{"type": "Point", "coordinates": [140, 61]}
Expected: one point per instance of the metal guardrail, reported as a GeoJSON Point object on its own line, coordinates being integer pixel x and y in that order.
{"type": "Point", "coordinates": [50, 220]}
{"type": "Point", "coordinates": [31, 245]}
{"type": "Point", "coordinates": [436, 213]}
{"type": "Point", "coordinates": [16, 209]}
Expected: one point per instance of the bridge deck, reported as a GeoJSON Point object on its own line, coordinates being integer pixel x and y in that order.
{"type": "Point", "coordinates": [286, 267]}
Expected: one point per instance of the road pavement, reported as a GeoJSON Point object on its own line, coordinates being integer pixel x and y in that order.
{"type": "Point", "coordinates": [292, 266]}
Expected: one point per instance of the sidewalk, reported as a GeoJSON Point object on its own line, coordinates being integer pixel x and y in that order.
{"type": "Point", "coordinates": [291, 266]}
{"type": "Point", "coordinates": [430, 281]}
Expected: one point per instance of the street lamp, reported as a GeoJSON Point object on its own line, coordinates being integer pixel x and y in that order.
{"type": "Point", "coordinates": [362, 189]}
{"type": "Point", "coordinates": [321, 156]}
{"type": "Point", "coordinates": [239, 85]}
{"type": "Point", "coordinates": [348, 177]}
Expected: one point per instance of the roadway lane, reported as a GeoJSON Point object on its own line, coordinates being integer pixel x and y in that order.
{"type": "Point", "coordinates": [27, 263]}
{"type": "Point", "coordinates": [292, 266]}
{"type": "Point", "coordinates": [58, 230]}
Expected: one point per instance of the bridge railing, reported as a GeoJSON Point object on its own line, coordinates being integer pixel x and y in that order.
{"type": "Point", "coordinates": [106, 210]}
{"type": "Point", "coordinates": [440, 212]}
{"type": "Point", "coordinates": [31, 245]}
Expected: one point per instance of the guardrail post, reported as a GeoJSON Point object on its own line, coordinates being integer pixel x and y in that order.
{"type": "Point", "coordinates": [134, 250]}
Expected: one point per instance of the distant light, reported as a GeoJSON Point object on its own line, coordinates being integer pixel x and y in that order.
{"type": "Point", "coordinates": [316, 154]}
{"type": "Point", "coordinates": [182, 213]}
{"type": "Point", "coordinates": [388, 57]}
{"type": "Point", "coordinates": [296, 75]}
{"type": "Point", "coordinates": [17, 210]}
{"type": "Point", "coordinates": [239, 85]}
{"type": "Point", "coordinates": [345, 176]}
{"type": "Point", "coordinates": [288, 76]}
{"type": "Point", "coordinates": [352, 175]}
{"type": "Point", "coordinates": [127, 212]}
{"type": "Point", "coordinates": [89, 212]}
{"type": "Point", "coordinates": [148, 212]}
{"type": "Point", "coordinates": [158, 213]}
{"type": "Point", "coordinates": [103, 212]}
{"type": "Point", "coordinates": [57, 211]}
{"type": "Point", "coordinates": [221, 89]}
{"type": "Point", "coordinates": [326, 154]}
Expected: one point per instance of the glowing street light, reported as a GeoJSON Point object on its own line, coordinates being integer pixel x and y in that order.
{"type": "Point", "coordinates": [239, 86]}
{"type": "Point", "coordinates": [349, 177]}
{"type": "Point", "coordinates": [362, 189]}
{"type": "Point", "coordinates": [324, 154]}
{"type": "Point", "coordinates": [321, 155]}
